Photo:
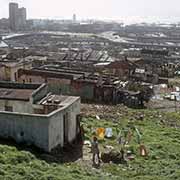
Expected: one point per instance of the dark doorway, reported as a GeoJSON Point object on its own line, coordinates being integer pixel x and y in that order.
{"type": "Point", "coordinates": [65, 128]}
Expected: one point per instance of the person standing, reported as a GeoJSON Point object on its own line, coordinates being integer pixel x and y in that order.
{"type": "Point", "coordinates": [95, 151]}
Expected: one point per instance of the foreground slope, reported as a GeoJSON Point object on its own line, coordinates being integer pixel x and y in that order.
{"type": "Point", "coordinates": [160, 134]}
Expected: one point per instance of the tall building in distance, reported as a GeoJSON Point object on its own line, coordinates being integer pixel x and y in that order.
{"type": "Point", "coordinates": [17, 17]}
{"type": "Point", "coordinates": [22, 17]}
{"type": "Point", "coordinates": [13, 16]}
{"type": "Point", "coordinates": [74, 18]}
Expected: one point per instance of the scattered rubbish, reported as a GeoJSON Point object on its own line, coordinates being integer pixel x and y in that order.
{"type": "Point", "coordinates": [130, 155]}
{"type": "Point", "coordinates": [109, 132]}
{"type": "Point", "coordinates": [163, 86]}
{"type": "Point", "coordinates": [138, 135]}
{"type": "Point", "coordinates": [129, 152]}
{"type": "Point", "coordinates": [100, 133]}
{"type": "Point", "coordinates": [113, 156]}
{"type": "Point", "coordinates": [121, 140]}
{"type": "Point", "coordinates": [93, 130]}
{"type": "Point", "coordinates": [88, 143]}
{"type": "Point", "coordinates": [157, 97]}
{"type": "Point", "coordinates": [109, 147]}
{"type": "Point", "coordinates": [104, 111]}
{"type": "Point", "coordinates": [141, 117]}
{"type": "Point", "coordinates": [143, 151]}
{"type": "Point", "coordinates": [177, 89]}
{"type": "Point", "coordinates": [97, 117]}
{"type": "Point", "coordinates": [126, 145]}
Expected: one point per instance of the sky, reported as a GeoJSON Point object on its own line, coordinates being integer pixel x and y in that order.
{"type": "Point", "coordinates": [130, 10]}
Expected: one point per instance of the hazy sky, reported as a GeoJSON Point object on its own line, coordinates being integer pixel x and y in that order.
{"type": "Point", "coordinates": [101, 9]}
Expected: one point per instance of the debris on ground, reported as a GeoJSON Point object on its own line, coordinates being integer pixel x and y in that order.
{"type": "Point", "coordinates": [87, 143]}
{"type": "Point", "coordinates": [100, 132]}
{"type": "Point", "coordinates": [109, 147]}
{"type": "Point", "coordinates": [109, 133]}
{"type": "Point", "coordinates": [104, 111]}
{"type": "Point", "coordinates": [112, 156]}
{"type": "Point", "coordinates": [143, 150]}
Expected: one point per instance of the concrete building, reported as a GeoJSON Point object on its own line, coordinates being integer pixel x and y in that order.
{"type": "Point", "coordinates": [9, 70]}
{"type": "Point", "coordinates": [58, 81]}
{"type": "Point", "coordinates": [37, 61]}
{"type": "Point", "coordinates": [22, 18]}
{"type": "Point", "coordinates": [122, 69]}
{"type": "Point", "coordinates": [17, 17]}
{"type": "Point", "coordinates": [3, 44]}
{"type": "Point", "coordinates": [30, 114]}
{"type": "Point", "coordinates": [4, 24]}
{"type": "Point", "coordinates": [13, 16]}
{"type": "Point", "coordinates": [74, 18]}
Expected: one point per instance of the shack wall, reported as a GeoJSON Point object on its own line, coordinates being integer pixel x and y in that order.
{"type": "Point", "coordinates": [59, 86]}
{"type": "Point", "coordinates": [84, 90]}
{"type": "Point", "coordinates": [15, 69]}
{"type": "Point", "coordinates": [25, 128]}
{"type": "Point", "coordinates": [31, 79]}
{"type": "Point", "coordinates": [56, 125]}
{"type": "Point", "coordinates": [17, 106]}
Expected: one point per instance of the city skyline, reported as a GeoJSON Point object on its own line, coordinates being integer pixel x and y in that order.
{"type": "Point", "coordinates": [129, 10]}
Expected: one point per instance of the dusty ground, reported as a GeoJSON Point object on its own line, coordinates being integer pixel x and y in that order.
{"type": "Point", "coordinates": [163, 105]}
{"type": "Point", "coordinates": [104, 111]}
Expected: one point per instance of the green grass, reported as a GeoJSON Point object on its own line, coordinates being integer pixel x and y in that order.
{"type": "Point", "coordinates": [161, 138]}
{"type": "Point", "coordinates": [18, 165]}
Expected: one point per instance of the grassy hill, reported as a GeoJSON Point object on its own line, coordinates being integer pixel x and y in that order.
{"type": "Point", "coordinates": [160, 134]}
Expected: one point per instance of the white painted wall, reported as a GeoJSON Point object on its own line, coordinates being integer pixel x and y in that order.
{"type": "Point", "coordinates": [33, 127]}
{"type": "Point", "coordinates": [45, 131]}
{"type": "Point", "coordinates": [74, 110]}
{"type": "Point", "coordinates": [56, 127]}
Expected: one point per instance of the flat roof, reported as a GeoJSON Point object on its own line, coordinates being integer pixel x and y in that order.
{"type": "Point", "coordinates": [15, 94]}
{"type": "Point", "coordinates": [48, 74]}
{"type": "Point", "coordinates": [59, 100]}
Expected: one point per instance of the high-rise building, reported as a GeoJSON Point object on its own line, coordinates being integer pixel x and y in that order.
{"type": "Point", "coordinates": [13, 16]}
{"type": "Point", "coordinates": [17, 17]}
{"type": "Point", "coordinates": [22, 17]}
{"type": "Point", "coordinates": [74, 18]}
